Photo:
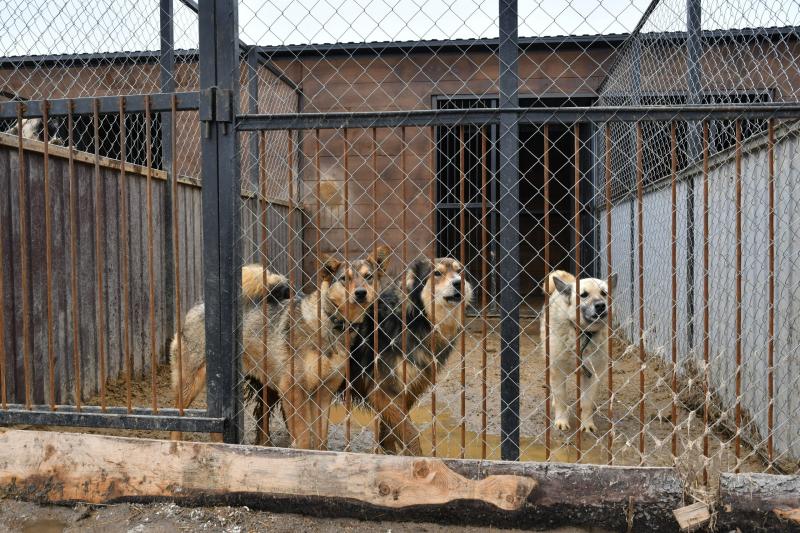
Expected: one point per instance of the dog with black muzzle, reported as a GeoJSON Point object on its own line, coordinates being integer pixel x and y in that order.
{"type": "Point", "coordinates": [560, 329]}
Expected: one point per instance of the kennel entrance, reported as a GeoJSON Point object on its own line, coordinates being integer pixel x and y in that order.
{"type": "Point", "coordinates": [460, 158]}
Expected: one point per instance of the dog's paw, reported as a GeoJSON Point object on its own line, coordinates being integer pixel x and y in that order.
{"type": "Point", "coordinates": [562, 424]}
{"type": "Point", "coordinates": [587, 426]}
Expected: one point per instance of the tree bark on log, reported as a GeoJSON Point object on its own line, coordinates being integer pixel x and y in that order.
{"type": "Point", "coordinates": [66, 467]}
{"type": "Point", "coordinates": [758, 502]}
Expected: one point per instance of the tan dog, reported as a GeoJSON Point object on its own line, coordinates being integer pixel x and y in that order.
{"type": "Point", "coordinates": [562, 334]}
{"type": "Point", "coordinates": [287, 363]}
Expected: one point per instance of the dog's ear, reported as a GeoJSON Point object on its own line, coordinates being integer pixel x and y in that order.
{"type": "Point", "coordinates": [417, 272]}
{"type": "Point", "coordinates": [613, 281]}
{"type": "Point", "coordinates": [562, 286]}
{"type": "Point", "coordinates": [330, 265]}
{"type": "Point", "coordinates": [380, 258]}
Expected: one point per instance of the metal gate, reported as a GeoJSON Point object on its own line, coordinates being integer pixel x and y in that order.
{"type": "Point", "coordinates": [658, 166]}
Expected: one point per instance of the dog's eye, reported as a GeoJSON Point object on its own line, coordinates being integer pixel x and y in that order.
{"type": "Point", "coordinates": [368, 276]}
{"type": "Point", "coordinates": [603, 294]}
{"type": "Point", "coordinates": [437, 273]}
{"type": "Point", "coordinates": [584, 294]}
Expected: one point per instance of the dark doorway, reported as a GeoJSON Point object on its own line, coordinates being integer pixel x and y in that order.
{"type": "Point", "coordinates": [460, 155]}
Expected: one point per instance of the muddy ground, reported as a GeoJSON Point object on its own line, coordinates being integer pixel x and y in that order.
{"type": "Point", "coordinates": [658, 430]}
{"type": "Point", "coordinates": [25, 517]}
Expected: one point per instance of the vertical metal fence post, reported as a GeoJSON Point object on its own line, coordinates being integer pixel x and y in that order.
{"type": "Point", "coordinates": [508, 253]}
{"type": "Point", "coordinates": [219, 86]}
{"type": "Point", "coordinates": [167, 62]}
{"type": "Point", "coordinates": [694, 51]}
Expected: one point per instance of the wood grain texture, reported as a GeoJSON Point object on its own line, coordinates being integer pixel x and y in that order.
{"type": "Point", "coordinates": [60, 467]}
{"type": "Point", "coordinates": [191, 268]}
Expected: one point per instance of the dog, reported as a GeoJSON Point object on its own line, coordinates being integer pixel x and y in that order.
{"type": "Point", "coordinates": [287, 363]}
{"type": "Point", "coordinates": [434, 290]}
{"type": "Point", "coordinates": [33, 128]}
{"type": "Point", "coordinates": [260, 285]}
{"type": "Point", "coordinates": [562, 333]}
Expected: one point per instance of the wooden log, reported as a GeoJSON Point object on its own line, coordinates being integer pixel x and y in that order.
{"type": "Point", "coordinates": [63, 467]}
{"type": "Point", "coordinates": [692, 517]}
{"type": "Point", "coordinates": [758, 502]}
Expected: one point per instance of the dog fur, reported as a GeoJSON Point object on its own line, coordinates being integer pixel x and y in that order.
{"type": "Point", "coordinates": [33, 128]}
{"type": "Point", "coordinates": [390, 399]}
{"type": "Point", "coordinates": [562, 334]}
{"type": "Point", "coordinates": [280, 341]}
{"type": "Point", "coordinates": [260, 285]}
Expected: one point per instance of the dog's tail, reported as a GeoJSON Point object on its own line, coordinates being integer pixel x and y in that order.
{"type": "Point", "coordinates": [258, 283]}
{"type": "Point", "coordinates": [549, 285]}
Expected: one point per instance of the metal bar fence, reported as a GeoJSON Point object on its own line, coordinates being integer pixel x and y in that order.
{"type": "Point", "coordinates": [434, 183]}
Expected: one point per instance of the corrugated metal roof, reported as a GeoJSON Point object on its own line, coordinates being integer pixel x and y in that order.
{"type": "Point", "coordinates": [378, 47]}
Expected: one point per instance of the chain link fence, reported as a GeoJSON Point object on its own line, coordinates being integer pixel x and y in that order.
{"type": "Point", "coordinates": [567, 240]}
{"type": "Point", "coordinates": [693, 377]}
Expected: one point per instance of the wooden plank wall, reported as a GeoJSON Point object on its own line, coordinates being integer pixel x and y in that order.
{"type": "Point", "coordinates": [190, 263]}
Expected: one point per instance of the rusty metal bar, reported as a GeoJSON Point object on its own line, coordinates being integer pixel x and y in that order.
{"type": "Point", "coordinates": [577, 222]}
{"type": "Point", "coordinates": [98, 252]}
{"type": "Point", "coordinates": [737, 438]}
{"type": "Point", "coordinates": [73, 248]}
{"type": "Point", "coordinates": [176, 249]}
{"type": "Point", "coordinates": [640, 275]}
{"type": "Point", "coordinates": [674, 276]}
{"type": "Point", "coordinates": [51, 357]}
{"type": "Point", "coordinates": [348, 392]}
{"type": "Point", "coordinates": [23, 238]}
{"type": "Point", "coordinates": [292, 266]}
{"type": "Point", "coordinates": [317, 254]}
{"type": "Point", "coordinates": [123, 239]}
{"type": "Point", "coordinates": [262, 425]}
{"type": "Point", "coordinates": [150, 260]}
{"type": "Point", "coordinates": [706, 317]}
{"type": "Point", "coordinates": [610, 298]}
{"type": "Point", "coordinates": [771, 336]}
{"type": "Point", "coordinates": [432, 195]}
{"type": "Point", "coordinates": [403, 285]}
{"type": "Point", "coordinates": [375, 349]}
{"type": "Point", "coordinates": [462, 256]}
{"type": "Point", "coordinates": [484, 294]}
{"type": "Point", "coordinates": [547, 385]}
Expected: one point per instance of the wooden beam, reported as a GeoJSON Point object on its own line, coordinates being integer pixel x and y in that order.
{"type": "Point", "coordinates": [758, 502]}
{"type": "Point", "coordinates": [65, 467]}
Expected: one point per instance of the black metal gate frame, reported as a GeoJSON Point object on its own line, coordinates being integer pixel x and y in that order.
{"type": "Point", "coordinates": [219, 67]}
{"type": "Point", "coordinates": [219, 61]}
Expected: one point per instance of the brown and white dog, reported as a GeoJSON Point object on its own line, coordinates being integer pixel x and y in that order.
{"type": "Point", "coordinates": [562, 334]}
{"type": "Point", "coordinates": [286, 342]}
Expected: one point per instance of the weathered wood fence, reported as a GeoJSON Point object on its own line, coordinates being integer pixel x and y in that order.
{"type": "Point", "coordinates": [23, 215]}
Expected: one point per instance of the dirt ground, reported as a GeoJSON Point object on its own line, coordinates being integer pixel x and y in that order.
{"type": "Point", "coordinates": [26, 517]}
{"type": "Point", "coordinates": [625, 430]}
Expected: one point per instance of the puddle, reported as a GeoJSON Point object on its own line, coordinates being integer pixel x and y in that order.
{"type": "Point", "coordinates": [45, 525]}
{"type": "Point", "coordinates": [448, 438]}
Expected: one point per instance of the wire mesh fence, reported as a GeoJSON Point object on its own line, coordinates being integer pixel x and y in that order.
{"type": "Point", "coordinates": [560, 233]}
{"type": "Point", "coordinates": [684, 375]}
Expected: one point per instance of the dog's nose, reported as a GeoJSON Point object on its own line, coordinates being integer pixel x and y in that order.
{"type": "Point", "coordinates": [360, 294]}
{"type": "Point", "coordinates": [457, 285]}
{"type": "Point", "coordinates": [600, 308]}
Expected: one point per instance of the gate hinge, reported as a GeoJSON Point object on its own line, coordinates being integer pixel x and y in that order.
{"type": "Point", "coordinates": [216, 105]}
